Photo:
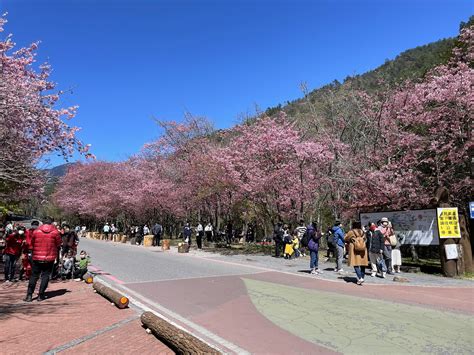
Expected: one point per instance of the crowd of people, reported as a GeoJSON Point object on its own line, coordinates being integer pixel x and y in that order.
{"type": "Point", "coordinates": [46, 250]}
{"type": "Point", "coordinates": [373, 246]}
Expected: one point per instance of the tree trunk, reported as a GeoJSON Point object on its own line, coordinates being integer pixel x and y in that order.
{"type": "Point", "coordinates": [466, 244]}
{"type": "Point", "coordinates": [414, 254]}
{"type": "Point", "coordinates": [177, 339]}
{"type": "Point", "coordinates": [119, 300]}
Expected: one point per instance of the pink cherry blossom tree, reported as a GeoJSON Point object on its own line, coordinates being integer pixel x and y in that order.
{"type": "Point", "coordinates": [31, 125]}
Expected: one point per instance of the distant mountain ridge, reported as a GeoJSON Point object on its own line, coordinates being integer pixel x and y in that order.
{"type": "Point", "coordinates": [59, 171]}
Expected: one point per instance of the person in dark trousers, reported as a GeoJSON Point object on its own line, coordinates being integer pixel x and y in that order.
{"type": "Point", "coordinates": [156, 230]}
{"type": "Point", "coordinates": [26, 257]}
{"type": "Point", "coordinates": [199, 235]}
{"type": "Point", "coordinates": [313, 246]}
{"type": "Point", "coordinates": [187, 233]}
{"type": "Point", "coordinates": [330, 242]}
{"type": "Point", "coordinates": [229, 233]}
{"type": "Point", "coordinates": [278, 239]}
{"type": "Point", "coordinates": [12, 252]}
{"type": "Point", "coordinates": [45, 244]}
{"type": "Point", "coordinates": [339, 244]}
{"type": "Point", "coordinates": [377, 250]}
{"type": "Point", "coordinates": [209, 230]}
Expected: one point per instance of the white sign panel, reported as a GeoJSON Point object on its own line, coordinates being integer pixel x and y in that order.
{"type": "Point", "coordinates": [418, 227]}
{"type": "Point", "coordinates": [451, 251]}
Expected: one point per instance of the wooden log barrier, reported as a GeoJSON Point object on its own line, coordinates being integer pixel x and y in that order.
{"type": "Point", "coordinates": [183, 248]}
{"type": "Point", "coordinates": [165, 244]}
{"type": "Point", "coordinates": [177, 339]}
{"type": "Point", "coordinates": [147, 240]}
{"type": "Point", "coordinates": [118, 299]}
{"type": "Point", "coordinates": [88, 278]}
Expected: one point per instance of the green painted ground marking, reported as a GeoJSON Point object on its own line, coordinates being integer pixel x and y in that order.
{"type": "Point", "coordinates": [354, 325]}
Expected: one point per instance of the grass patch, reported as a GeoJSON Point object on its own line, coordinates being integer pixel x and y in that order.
{"type": "Point", "coordinates": [427, 266]}
{"type": "Point", "coordinates": [241, 249]}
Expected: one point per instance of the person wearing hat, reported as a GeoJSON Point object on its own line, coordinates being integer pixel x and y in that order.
{"type": "Point", "coordinates": [339, 234]}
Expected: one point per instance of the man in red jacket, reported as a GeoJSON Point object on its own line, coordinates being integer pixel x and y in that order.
{"type": "Point", "coordinates": [45, 244]}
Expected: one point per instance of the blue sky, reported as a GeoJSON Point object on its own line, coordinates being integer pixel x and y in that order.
{"type": "Point", "coordinates": [129, 61]}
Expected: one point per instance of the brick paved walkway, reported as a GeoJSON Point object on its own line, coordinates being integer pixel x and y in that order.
{"type": "Point", "coordinates": [73, 319]}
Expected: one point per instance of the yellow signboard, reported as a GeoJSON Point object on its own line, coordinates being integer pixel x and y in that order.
{"type": "Point", "coordinates": [448, 222]}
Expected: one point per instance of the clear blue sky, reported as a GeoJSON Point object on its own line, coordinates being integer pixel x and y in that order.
{"type": "Point", "coordinates": [128, 61]}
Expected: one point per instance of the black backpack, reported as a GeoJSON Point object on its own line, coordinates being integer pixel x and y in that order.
{"type": "Point", "coordinates": [305, 239]}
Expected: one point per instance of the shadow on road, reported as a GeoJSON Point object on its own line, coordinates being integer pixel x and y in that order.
{"type": "Point", "coordinates": [56, 293]}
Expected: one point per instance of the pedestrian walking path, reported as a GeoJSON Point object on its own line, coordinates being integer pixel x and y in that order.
{"type": "Point", "coordinates": [73, 319]}
{"type": "Point", "coordinates": [262, 305]}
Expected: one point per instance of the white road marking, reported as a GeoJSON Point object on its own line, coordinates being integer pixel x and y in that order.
{"type": "Point", "coordinates": [138, 300]}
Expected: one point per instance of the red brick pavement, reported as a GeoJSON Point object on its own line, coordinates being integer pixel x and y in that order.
{"type": "Point", "coordinates": [72, 319]}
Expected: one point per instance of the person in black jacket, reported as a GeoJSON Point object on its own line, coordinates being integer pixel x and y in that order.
{"type": "Point", "coordinates": [278, 239]}
{"type": "Point", "coordinates": [376, 251]}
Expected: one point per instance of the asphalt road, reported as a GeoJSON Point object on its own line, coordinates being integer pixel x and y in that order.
{"type": "Point", "coordinates": [130, 263]}
{"type": "Point", "coordinates": [263, 305]}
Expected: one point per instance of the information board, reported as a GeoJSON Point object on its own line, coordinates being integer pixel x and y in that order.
{"type": "Point", "coordinates": [418, 227]}
{"type": "Point", "coordinates": [448, 222]}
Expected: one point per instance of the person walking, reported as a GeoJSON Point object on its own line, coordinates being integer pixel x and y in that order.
{"type": "Point", "coordinates": [13, 246]}
{"type": "Point", "coordinates": [199, 235]}
{"type": "Point", "coordinates": [45, 244]}
{"type": "Point", "coordinates": [156, 230]}
{"type": "Point", "coordinates": [209, 230]}
{"type": "Point", "coordinates": [357, 251]}
{"type": "Point", "coordinates": [313, 247]}
{"type": "Point", "coordinates": [338, 233]}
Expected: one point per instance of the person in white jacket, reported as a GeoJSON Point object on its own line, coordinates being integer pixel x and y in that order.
{"type": "Point", "coordinates": [209, 230]}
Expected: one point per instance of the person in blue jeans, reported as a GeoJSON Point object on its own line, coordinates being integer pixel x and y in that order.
{"type": "Point", "coordinates": [338, 234]}
{"type": "Point", "coordinates": [357, 248]}
{"type": "Point", "coordinates": [313, 246]}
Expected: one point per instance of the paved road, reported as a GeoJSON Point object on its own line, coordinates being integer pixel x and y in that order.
{"type": "Point", "coordinates": [260, 304]}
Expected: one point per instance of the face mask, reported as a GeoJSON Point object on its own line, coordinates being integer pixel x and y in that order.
{"type": "Point", "coordinates": [372, 228]}
{"type": "Point", "coordinates": [83, 256]}
{"type": "Point", "coordinates": [21, 232]}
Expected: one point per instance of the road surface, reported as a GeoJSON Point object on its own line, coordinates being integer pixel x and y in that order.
{"type": "Point", "coordinates": [252, 305]}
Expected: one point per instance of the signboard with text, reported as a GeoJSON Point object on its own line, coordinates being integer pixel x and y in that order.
{"type": "Point", "coordinates": [448, 222]}
{"type": "Point", "coordinates": [415, 227]}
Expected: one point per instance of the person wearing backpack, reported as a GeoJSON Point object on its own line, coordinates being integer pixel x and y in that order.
{"type": "Point", "coordinates": [313, 246]}
{"type": "Point", "coordinates": [358, 257]}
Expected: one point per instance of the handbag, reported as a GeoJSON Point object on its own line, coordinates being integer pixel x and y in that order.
{"type": "Point", "coordinates": [381, 266]}
{"type": "Point", "coordinates": [393, 240]}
